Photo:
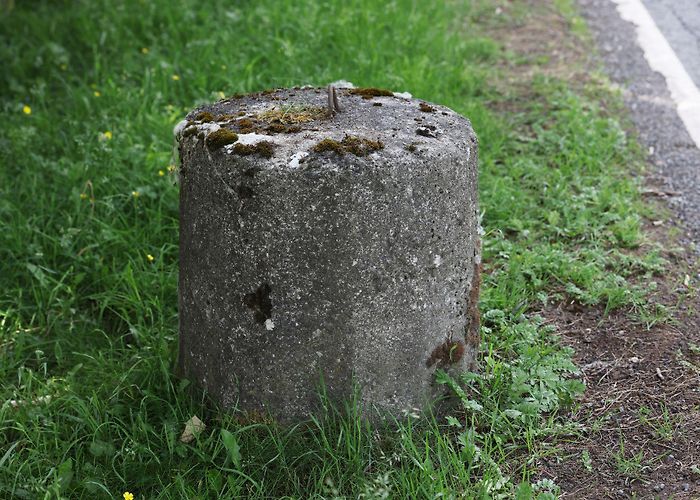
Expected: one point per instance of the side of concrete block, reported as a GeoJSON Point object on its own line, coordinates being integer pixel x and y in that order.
{"type": "Point", "coordinates": [337, 246]}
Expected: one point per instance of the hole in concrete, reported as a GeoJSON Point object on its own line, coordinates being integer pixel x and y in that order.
{"type": "Point", "coordinates": [260, 303]}
{"type": "Point", "coordinates": [244, 191]}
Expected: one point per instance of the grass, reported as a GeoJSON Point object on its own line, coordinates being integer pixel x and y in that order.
{"type": "Point", "coordinates": [88, 252]}
{"type": "Point", "coordinates": [630, 465]}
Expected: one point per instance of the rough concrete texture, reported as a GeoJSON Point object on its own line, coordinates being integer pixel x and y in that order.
{"type": "Point", "coordinates": [356, 261]}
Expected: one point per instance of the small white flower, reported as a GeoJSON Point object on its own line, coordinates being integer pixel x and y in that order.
{"type": "Point", "coordinates": [269, 324]}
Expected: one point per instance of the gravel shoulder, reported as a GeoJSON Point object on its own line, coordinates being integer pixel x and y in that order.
{"type": "Point", "coordinates": [670, 149]}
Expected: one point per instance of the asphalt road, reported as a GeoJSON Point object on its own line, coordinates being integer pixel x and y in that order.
{"type": "Point", "coordinates": [679, 21]}
{"type": "Point", "coordinates": [671, 149]}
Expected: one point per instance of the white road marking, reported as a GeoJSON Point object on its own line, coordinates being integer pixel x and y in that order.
{"type": "Point", "coordinates": [663, 59]}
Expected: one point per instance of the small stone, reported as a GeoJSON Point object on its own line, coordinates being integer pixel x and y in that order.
{"type": "Point", "coordinates": [659, 487]}
{"type": "Point", "coordinates": [685, 486]}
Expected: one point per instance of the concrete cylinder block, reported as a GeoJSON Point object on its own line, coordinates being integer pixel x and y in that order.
{"type": "Point", "coordinates": [341, 246]}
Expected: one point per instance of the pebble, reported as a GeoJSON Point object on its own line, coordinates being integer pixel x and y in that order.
{"type": "Point", "coordinates": [659, 487]}
{"type": "Point", "coordinates": [685, 486]}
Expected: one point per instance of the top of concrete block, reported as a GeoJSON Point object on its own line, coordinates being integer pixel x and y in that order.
{"type": "Point", "coordinates": [286, 127]}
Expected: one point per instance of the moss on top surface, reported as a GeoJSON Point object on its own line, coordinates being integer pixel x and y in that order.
{"type": "Point", "coordinates": [426, 108]}
{"type": "Point", "coordinates": [204, 116]}
{"type": "Point", "coordinates": [220, 138]}
{"type": "Point", "coordinates": [290, 114]}
{"type": "Point", "coordinates": [357, 146]}
{"type": "Point", "coordinates": [263, 148]}
{"type": "Point", "coordinates": [370, 92]}
{"type": "Point", "coordinates": [284, 119]}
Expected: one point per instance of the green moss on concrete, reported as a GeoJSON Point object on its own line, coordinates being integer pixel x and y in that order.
{"type": "Point", "coordinates": [220, 138]}
{"type": "Point", "coordinates": [357, 146]}
{"type": "Point", "coordinates": [370, 92]}
{"type": "Point", "coordinates": [204, 116]}
{"type": "Point", "coordinates": [329, 145]}
{"type": "Point", "coordinates": [263, 148]}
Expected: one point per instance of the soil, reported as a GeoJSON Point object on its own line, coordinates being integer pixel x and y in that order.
{"type": "Point", "coordinates": [640, 415]}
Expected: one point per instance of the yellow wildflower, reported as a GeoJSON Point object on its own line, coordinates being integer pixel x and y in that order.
{"type": "Point", "coordinates": [150, 257]}
{"type": "Point", "coordinates": [161, 173]}
{"type": "Point", "coordinates": [83, 196]}
{"type": "Point", "coordinates": [171, 168]}
{"type": "Point", "coordinates": [176, 77]}
{"type": "Point", "coordinates": [135, 194]}
{"type": "Point", "coordinates": [27, 110]}
{"type": "Point", "coordinates": [128, 496]}
{"type": "Point", "coordinates": [144, 50]}
{"type": "Point", "coordinates": [105, 136]}
{"type": "Point", "coordinates": [97, 93]}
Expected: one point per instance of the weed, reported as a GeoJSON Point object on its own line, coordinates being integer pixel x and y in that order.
{"type": "Point", "coordinates": [586, 461]}
{"type": "Point", "coordinates": [631, 466]}
{"type": "Point", "coordinates": [662, 426]}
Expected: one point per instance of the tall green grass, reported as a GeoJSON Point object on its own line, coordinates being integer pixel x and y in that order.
{"type": "Point", "coordinates": [88, 247]}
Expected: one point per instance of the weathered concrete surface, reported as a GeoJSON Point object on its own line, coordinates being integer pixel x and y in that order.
{"type": "Point", "coordinates": [358, 268]}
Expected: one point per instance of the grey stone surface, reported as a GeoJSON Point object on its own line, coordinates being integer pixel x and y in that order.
{"type": "Point", "coordinates": [360, 269]}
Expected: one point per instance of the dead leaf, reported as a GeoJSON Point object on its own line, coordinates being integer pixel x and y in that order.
{"type": "Point", "coordinates": [192, 427]}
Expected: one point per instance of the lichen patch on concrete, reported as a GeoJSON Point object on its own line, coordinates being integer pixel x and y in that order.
{"type": "Point", "coordinates": [296, 159]}
{"type": "Point", "coordinates": [249, 139]}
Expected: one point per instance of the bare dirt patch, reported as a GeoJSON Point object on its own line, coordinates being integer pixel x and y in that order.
{"type": "Point", "coordinates": [640, 414]}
